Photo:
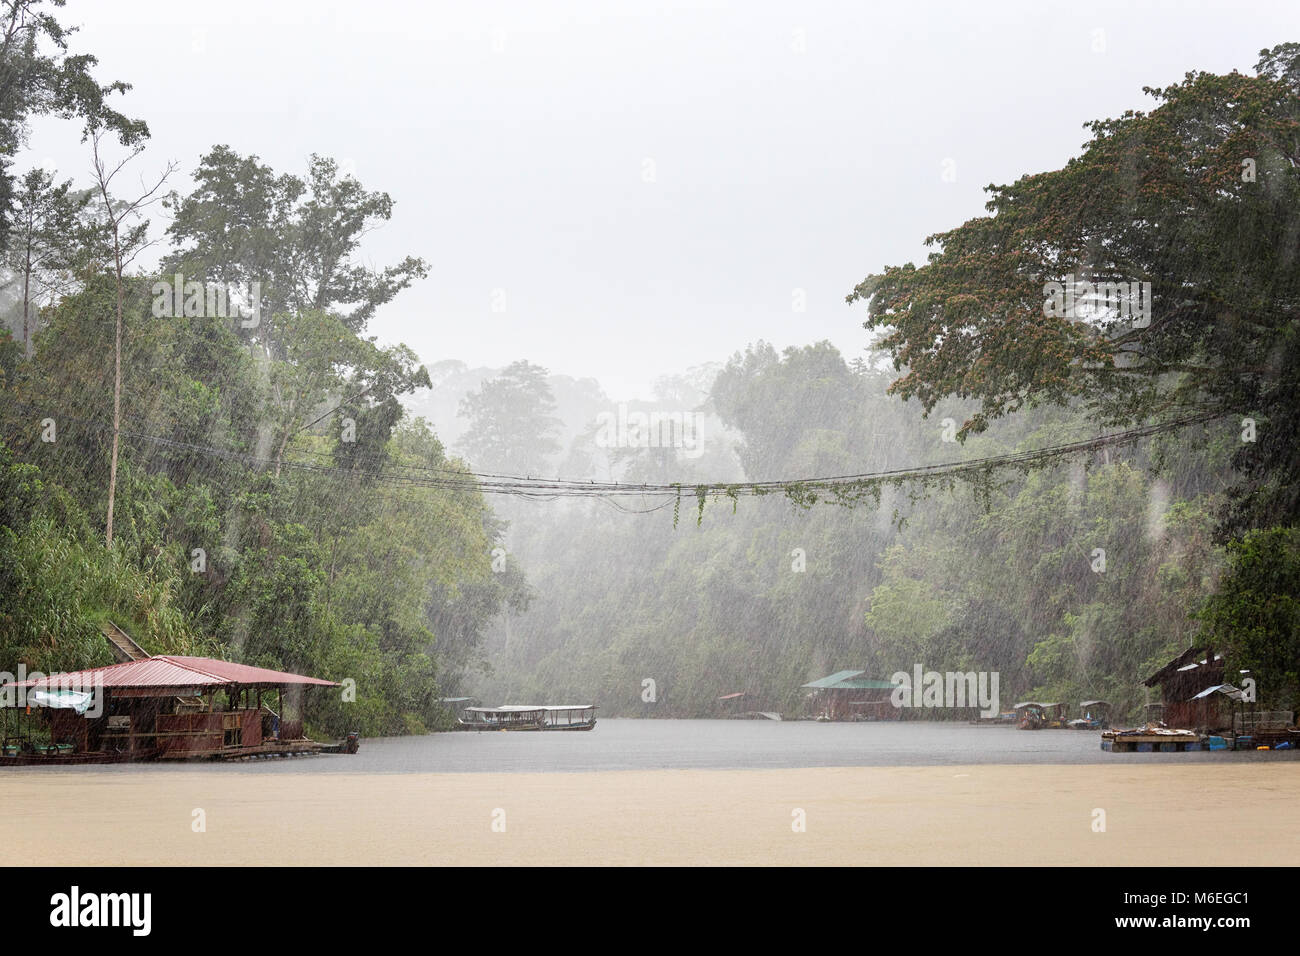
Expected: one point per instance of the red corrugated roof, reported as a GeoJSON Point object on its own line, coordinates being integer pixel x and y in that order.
{"type": "Point", "coordinates": [167, 671]}
{"type": "Point", "coordinates": [230, 673]}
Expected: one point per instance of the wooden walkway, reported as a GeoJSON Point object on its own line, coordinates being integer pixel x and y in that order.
{"type": "Point", "coordinates": [124, 649]}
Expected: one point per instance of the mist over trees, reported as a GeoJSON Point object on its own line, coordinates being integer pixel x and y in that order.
{"type": "Point", "coordinates": [1072, 582]}
{"type": "Point", "coordinates": [512, 425]}
{"type": "Point", "coordinates": [766, 597]}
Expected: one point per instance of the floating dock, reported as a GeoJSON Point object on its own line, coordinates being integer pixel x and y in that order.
{"type": "Point", "coordinates": [1151, 741]}
{"type": "Point", "coordinates": [1160, 740]}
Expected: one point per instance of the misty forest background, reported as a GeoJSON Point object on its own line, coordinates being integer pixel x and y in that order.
{"type": "Point", "coordinates": [277, 491]}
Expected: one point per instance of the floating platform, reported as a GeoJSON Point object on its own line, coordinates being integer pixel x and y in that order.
{"type": "Point", "coordinates": [54, 756]}
{"type": "Point", "coordinates": [1151, 743]}
{"type": "Point", "coordinates": [271, 748]}
{"type": "Point", "coordinates": [1163, 740]}
{"type": "Point", "coordinates": [69, 759]}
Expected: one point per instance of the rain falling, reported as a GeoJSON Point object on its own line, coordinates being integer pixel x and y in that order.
{"type": "Point", "coordinates": [568, 434]}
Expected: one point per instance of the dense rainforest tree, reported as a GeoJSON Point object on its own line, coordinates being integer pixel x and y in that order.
{"type": "Point", "coordinates": [48, 237]}
{"type": "Point", "coordinates": [295, 241]}
{"type": "Point", "coordinates": [1199, 197]}
{"type": "Point", "coordinates": [296, 237]}
{"type": "Point", "coordinates": [40, 77]}
{"type": "Point", "coordinates": [251, 479]}
{"type": "Point", "coordinates": [512, 422]}
{"type": "Point", "coordinates": [769, 397]}
{"type": "Point", "coordinates": [1256, 613]}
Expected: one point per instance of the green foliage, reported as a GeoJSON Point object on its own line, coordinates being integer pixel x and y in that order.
{"type": "Point", "coordinates": [57, 583]}
{"type": "Point", "coordinates": [1255, 614]}
{"type": "Point", "coordinates": [10, 355]}
{"type": "Point", "coordinates": [296, 236]}
{"type": "Point", "coordinates": [249, 523]}
{"type": "Point", "coordinates": [39, 77]}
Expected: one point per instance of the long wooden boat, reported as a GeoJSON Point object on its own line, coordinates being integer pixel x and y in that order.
{"type": "Point", "coordinates": [528, 717]}
{"type": "Point", "coordinates": [499, 718]}
{"type": "Point", "coordinates": [570, 717]}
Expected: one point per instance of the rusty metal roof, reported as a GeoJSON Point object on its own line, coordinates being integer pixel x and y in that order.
{"type": "Point", "coordinates": [1186, 661]}
{"type": "Point", "coordinates": [1227, 690]}
{"type": "Point", "coordinates": [229, 673]}
{"type": "Point", "coordinates": [169, 671]}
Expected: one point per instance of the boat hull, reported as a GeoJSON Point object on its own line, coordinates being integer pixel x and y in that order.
{"type": "Point", "coordinates": [584, 726]}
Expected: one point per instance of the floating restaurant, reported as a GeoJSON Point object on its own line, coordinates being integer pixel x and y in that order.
{"type": "Point", "coordinates": [158, 708]}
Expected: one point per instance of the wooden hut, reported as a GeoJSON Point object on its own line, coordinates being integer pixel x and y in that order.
{"type": "Point", "coordinates": [1182, 679]}
{"type": "Point", "coordinates": [164, 707]}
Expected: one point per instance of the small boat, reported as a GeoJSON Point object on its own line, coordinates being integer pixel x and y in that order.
{"type": "Point", "coordinates": [569, 717]}
{"type": "Point", "coordinates": [1096, 716]}
{"type": "Point", "coordinates": [528, 717]}
{"type": "Point", "coordinates": [500, 718]}
{"type": "Point", "coordinates": [348, 745]}
{"type": "Point", "coordinates": [1036, 716]}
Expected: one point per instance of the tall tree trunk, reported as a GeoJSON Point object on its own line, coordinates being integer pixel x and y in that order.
{"type": "Point", "coordinates": [27, 300]}
{"type": "Point", "coordinates": [117, 389]}
{"type": "Point", "coordinates": [115, 218]}
{"type": "Point", "coordinates": [279, 452]}
{"type": "Point", "coordinates": [288, 433]}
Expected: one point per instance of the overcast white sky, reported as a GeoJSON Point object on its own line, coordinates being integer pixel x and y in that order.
{"type": "Point", "coordinates": [794, 145]}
